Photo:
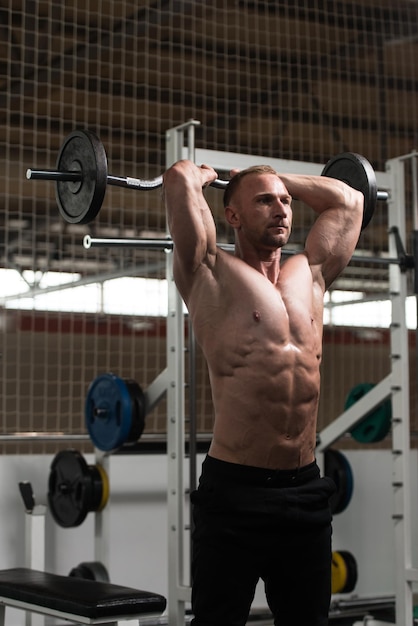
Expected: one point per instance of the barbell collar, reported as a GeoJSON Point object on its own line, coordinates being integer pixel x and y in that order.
{"type": "Point", "coordinates": [383, 196]}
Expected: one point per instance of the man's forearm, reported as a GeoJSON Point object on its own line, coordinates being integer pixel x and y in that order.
{"type": "Point", "coordinates": [321, 193]}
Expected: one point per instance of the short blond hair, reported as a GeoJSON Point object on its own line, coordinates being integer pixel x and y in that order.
{"type": "Point", "coordinates": [235, 181]}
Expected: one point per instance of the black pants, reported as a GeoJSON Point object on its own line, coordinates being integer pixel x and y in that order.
{"type": "Point", "coordinates": [252, 523]}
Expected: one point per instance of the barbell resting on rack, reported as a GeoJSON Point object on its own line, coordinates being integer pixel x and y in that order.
{"type": "Point", "coordinates": [167, 245]}
{"type": "Point", "coordinates": [81, 177]}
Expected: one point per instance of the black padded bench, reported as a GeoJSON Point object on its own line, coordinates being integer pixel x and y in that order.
{"type": "Point", "coordinates": [75, 599]}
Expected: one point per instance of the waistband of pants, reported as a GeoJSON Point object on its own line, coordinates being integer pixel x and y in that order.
{"type": "Point", "coordinates": [234, 473]}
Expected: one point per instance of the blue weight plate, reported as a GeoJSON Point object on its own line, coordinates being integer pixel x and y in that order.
{"type": "Point", "coordinates": [108, 412]}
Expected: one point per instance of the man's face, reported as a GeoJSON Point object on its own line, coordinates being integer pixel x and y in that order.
{"type": "Point", "coordinates": [261, 210]}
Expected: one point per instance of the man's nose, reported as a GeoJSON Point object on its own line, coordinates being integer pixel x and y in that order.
{"type": "Point", "coordinates": [280, 208]}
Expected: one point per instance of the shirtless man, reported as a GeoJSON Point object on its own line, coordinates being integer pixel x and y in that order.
{"type": "Point", "coordinates": [261, 509]}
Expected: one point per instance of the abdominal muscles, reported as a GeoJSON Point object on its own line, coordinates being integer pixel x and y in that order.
{"type": "Point", "coordinates": [266, 398]}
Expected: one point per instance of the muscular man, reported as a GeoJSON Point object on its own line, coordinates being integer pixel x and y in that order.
{"type": "Point", "coordinates": [261, 509]}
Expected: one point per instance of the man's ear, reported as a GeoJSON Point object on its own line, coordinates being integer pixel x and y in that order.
{"type": "Point", "coordinates": [232, 217]}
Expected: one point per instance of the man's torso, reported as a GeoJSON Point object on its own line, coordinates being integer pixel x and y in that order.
{"type": "Point", "coordinates": [262, 343]}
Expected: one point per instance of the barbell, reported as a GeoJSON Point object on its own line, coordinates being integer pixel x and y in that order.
{"type": "Point", "coordinates": [81, 176]}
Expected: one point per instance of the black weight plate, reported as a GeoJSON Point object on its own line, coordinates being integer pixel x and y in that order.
{"type": "Point", "coordinates": [69, 488]}
{"type": "Point", "coordinates": [352, 572]}
{"type": "Point", "coordinates": [337, 467]}
{"type": "Point", "coordinates": [90, 570]}
{"type": "Point", "coordinates": [347, 492]}
{"type": "Point", "coordinates": [79, 202]}
{"type": "Point", "coordinates": [357, 172]}
{"type": "Point", "coordinates": [138, 405]}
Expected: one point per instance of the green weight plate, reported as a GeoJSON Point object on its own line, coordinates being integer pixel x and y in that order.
{"type": "Point", "coordinates": [79, 202]}
{"type": "Point", "coordinates": [376, 425]}
{"type": "Point", "coordinates": [358, 173]}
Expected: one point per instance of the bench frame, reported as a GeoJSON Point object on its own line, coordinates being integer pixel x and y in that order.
{"type": "Point", "coordinates": [142, 618]}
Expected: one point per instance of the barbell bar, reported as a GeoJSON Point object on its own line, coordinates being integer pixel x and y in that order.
{"type": "Point", "coordinates": [128, 182]}
{"type": "Point", "coordinates": [141, 184]}
{"type": "Point", "coordinates": [81, 176]}
{"type": "Point", "coordinates": [147, 243]}
{"type": "Point", "coordinates": [167, 245]}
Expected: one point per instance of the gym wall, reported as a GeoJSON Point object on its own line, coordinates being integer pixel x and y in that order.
{"type": "Point", "coordinates": [272, 79]}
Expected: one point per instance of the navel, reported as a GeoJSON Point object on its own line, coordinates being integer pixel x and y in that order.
{"type": "Point", "coordinates": [257, 316]}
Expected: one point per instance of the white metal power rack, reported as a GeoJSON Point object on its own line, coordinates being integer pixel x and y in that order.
{"type": "Point", "coordinates": [395, 386]}
{"type": "Point", "coordinates": [179, 591]}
